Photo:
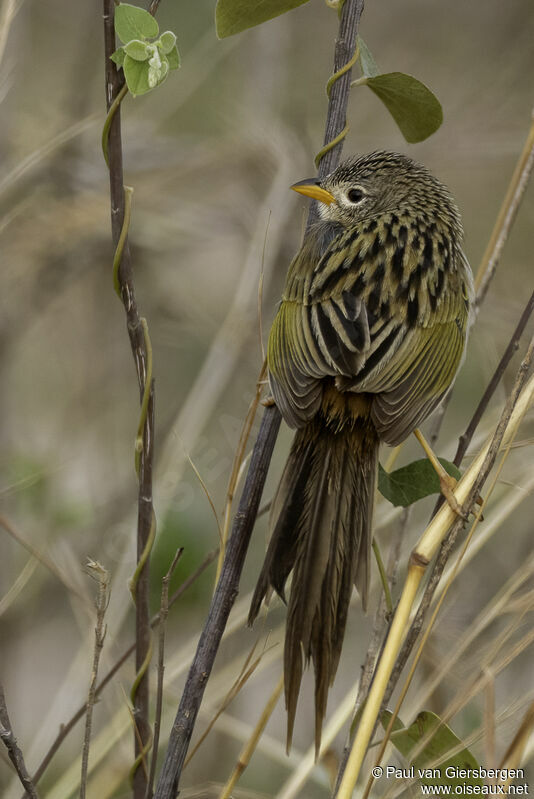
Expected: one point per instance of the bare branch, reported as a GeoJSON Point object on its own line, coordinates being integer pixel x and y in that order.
{"type": "Point", "coordinates": [13, 750]}
{"type": "Point", "coordinates": [508, 354]}
{"type": "Point", "coordinates": [227, 587]}
{"type": "Point", "coordinates": [139, 342]}
{"type": "Point", "coordinates": [507, 214]}
{"type": "Point", "coordinates": [97, 572]}
{"type": "Point", "coordinates": [163, 613]}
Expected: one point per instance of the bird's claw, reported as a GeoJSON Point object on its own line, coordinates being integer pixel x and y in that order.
{"type": "Point", "coordinates": [447, 485]}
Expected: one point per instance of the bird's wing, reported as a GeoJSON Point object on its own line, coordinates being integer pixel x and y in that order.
{"type": "Point", "coordinates": [413, 381]}
{"type": "Point", "coordinates": [416, 379]}
{"type": "Point", "coordinates": [382, 314]}
{"type": "Point", "coordinates": [314, 334]}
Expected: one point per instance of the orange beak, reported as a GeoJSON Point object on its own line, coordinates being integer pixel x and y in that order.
{"type": "Point", "coordinates": [312, 188]}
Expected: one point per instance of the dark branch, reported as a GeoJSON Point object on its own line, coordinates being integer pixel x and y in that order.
{"type": "Point", "coordinates": [248, 507]}
{"type": "Point", "coordinates": [145, 519]}
{"type": "Point", "coordinates": [509, 352]}
{"type": "Point", "coordinates": [222, 602]}
{"type": "Point", "coordinates": [13, 750]}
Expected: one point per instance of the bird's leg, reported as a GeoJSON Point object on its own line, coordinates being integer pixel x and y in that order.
{"type": "Point", "coordinates": [447, 483]}
{"type": "Point", "coordinates": [267, 401]}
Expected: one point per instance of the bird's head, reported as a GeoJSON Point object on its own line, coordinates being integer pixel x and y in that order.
{"type": "Point", "coordinates": [380, 182]}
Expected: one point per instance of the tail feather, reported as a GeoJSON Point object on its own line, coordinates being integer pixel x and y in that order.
{"type": "Point", "coordinates": [322, 531]}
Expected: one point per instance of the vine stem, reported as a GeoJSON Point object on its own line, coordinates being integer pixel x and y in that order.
{"type": "Point", "coordinates": [227, 586]}
{"type": "Point", "coordinates": [140, 346]}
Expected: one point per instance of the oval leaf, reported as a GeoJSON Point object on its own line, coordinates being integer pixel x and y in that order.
{"type": "Point", "coordinates": [136, 74]}
{"type": "Point", "coordinates": [174, 58]}
{"type": "Point", "coordinates": [132, 22]}
{"type": "Point", "coordinates": [167, 41]}
{"type": "Point", "coordinates": [234, 16]}
{"type": "Point", "coordinates": [413, 482]}
{"type": "Point", "coordinates": [431, 763]}
{"type": "Point", "coordinates": [412, 105]}
{"type": "Point", "coordinates": [367, 62]}
{"type": "Point", "coordinates": [137, 50]}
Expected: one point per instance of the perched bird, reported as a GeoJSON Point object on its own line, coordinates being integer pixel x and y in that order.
{"type": "Point", "coordinates": [367, 341]}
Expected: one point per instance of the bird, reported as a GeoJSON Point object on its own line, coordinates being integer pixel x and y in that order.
{"type": "Point", "coordinates": [366, 342]}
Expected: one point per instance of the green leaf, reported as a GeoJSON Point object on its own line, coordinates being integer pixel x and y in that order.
{"type": "Point", "coordinates": [234, 16]}
{"type": "Point", "coordinates": [367, 62]}
{"type": "Point", "coordinates": [412, 105]}
{"type": "Point", "coordinates": [136, 74]}
{"type": "Point", "coordinates": [137, 50]}
{"type": "Point", "coordinates": [413, 482]}
{"type": "Point", "coordinates": [431, 764]}
{"type": "Point", "coordinates": [174, 58]}
{"type": "Point", "coordinates": [167, 41]}
{"type": "Point", "coordinates": [132, 22]}
{"type": "Point", "coordinates": [118, 56]}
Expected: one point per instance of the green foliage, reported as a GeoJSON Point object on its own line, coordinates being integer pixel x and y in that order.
{"type": "Point", "coordinates": [412, 105]}
{"type": "Point", "coordinates": [137, 50]}
{"type": "Point", "coordinates": [234, 16]}
{"type": "Point", "coordinates": [441, 741]}
{"type": "Point", "coordinates": [146, 64]}
{"type": "Point", "coordinates": [413, 482]}
{"type": "Point", "coordinates": [367, 62]}
{"type": "Point", "coordinates": [132, 22]}
{"type": "Point", "coordinates": [415, 109]}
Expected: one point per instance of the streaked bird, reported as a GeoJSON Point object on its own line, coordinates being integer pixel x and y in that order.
{"type": "Point", "coordinates": [366, 342]}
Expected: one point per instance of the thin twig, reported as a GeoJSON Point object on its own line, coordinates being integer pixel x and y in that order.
{"type": "Point", "coordinates": [98, 573]}
{"type": "Point", "coordinates": [250, 746]}
{"type": "Point", "coordinates": [509, 352]}
{"type": "Point", "coordinates": [506, 216]}
{"type": "Point", "coordinates": [514, 753]}
{"type": "Point", "coordinates": [163, 613]}
{"type": "Point", "coordinates": [246, 672]}
{"type": "Point", "coordinates": [13, 749]}
{"type": "Point", "coordinates": [238, 460]}
{"type": "Point", "coordinates": [380, 627]}
{"type": "Point", "coordinates": [42, 557]}
{"type": "Point", "coordinates": [221, 604]}
{"type": "Point", "coordinates": [227, 586]}
{"type": "Point", "coordinates": [139, 342]}
{"type": "Point", "coordinates": [66, 728]}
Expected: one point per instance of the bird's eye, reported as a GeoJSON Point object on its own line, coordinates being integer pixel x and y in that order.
{"type": "Point", "coordinates": [355, 195]}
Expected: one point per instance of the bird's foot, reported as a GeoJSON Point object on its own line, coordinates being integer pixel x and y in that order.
{"type": "Point", "coordinates": [447, 484]}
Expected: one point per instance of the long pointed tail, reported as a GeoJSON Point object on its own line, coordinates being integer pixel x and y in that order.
{"type": "Point", "coordinates": [321, 521]}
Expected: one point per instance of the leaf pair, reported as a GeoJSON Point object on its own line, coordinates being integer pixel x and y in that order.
{"type": "Point", "coordinates": [415, 109]}
{"type": "Point", "coordinates": [146, 63]}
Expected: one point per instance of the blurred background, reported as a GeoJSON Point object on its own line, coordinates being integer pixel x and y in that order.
{"type": "Point", "coordinates": [211, 155]}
